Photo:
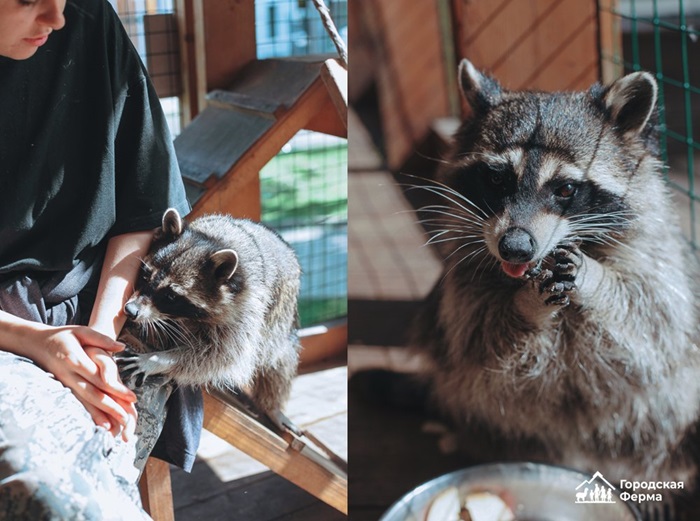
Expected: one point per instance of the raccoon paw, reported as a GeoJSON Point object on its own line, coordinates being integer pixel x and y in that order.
{"type": "Point", "coordinates": [568, 259]}
{"type": "Point", "coordinates": [136, 367]}
{"type": "Point", "coordinates": [554, 290]}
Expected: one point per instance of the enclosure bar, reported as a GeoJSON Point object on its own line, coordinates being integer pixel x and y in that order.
{"type": "Point", "coordinates": [683, 139]}
{"type": "Point", "coordinates": [665, 79]}
{"type": "Point", "coordinates": [635, 37]}
{"type": "Point", "coordinates": [656, 22]}
{"type": "Point", "coordinates": [688, 119]}
{"type": "Point", "coordinates": [660, 76]}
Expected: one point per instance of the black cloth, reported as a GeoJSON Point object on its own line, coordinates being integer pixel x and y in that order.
{"type": "Point", "coordinates": [85, 155]}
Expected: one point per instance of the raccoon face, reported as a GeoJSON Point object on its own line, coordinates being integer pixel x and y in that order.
{"type": "Point", "coordinates": [535, 169]}
{"type": "Point", "coordinates": [184, 277]}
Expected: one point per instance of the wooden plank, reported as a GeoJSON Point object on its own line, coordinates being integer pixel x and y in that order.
{"type": "Point", "coordinates": [239, 101]}
{"type": "Point", "coordinates": [328, 120]}
{"type": "Point", "coordinates": [303, 468]}
{"type": "Point", "coordinates": [192, 60]}
{"type": "Point", "coordinates": [610, 42]}
{"type": "Point", "coordinates": [156, 492]}
{"type": "Point", "coordinates": [243, 203]}
{"type": "Point", "coordinates": [267, 146]}
{"type": "Point", "coordinates": [335, 78]}
{"type": "Point", "coordinates": [216, 140]}
{"type": "Point", "coordinates": [229, 26]}
{"type": "Point", "coordinates": [544, 44]}
{"type": "Point", "coordinates": [329, 343]}
{"type": "Point", "coordinates": [278, 81]}
{"type": "Point", "coordinates": [406, 31]}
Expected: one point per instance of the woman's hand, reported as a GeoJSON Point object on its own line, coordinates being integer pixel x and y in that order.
{"type": "Point", "coordinates": [79, 357]}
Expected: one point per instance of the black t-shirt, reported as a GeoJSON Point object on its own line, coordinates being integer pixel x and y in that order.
{"type": "Point", "coordinates": [85, 152]}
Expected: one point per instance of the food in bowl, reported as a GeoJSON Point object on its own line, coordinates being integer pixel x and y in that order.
{"type": "Point", "coordinates": [476, 506]}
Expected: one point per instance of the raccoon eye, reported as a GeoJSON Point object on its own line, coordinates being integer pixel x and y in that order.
{"type": "Point", "coordinates": [496, 178]}
{"type": "Point", "coordinates": [566, 190]}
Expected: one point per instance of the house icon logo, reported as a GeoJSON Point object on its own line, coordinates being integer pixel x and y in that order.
{"type": "Point", "coordinates": [595, 490]}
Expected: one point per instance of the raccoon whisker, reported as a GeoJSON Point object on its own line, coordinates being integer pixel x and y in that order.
{"type": "Point", "coordinates": [441, 187]}
{"type": "Point", "coordinates": [451, 212]}
{"type": "Point", "coordinates": [445, 192]}
{"type": "Point", "coordinates": [472, 254]}
{"type": "Point", "coordinates": [177, 333]}
{"type": "Point", "coordinates": [445, 224]}
{"type": "Point", "coordinates": [479, 240]}
{"type": "Point", "coordinates": [458, 238]}
{"type": "Point", "coordinates": [489, 261]}
{"type": "Point", "coordinates": [447, 212]}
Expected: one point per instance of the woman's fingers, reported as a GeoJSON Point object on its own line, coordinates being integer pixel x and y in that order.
{"type": "Point", "coordinates": [107, 375]}
{"type": "Point", "coordinates": [102, 401]}
{"type": "Point", "coordinates": [98, 416]}
{"type": "Point", "coordinates": [88, 336]}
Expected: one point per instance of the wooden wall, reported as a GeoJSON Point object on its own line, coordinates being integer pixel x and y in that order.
{"type": "Point", "coordinates": [408, 69]}
{"type": "Point", "coordinates": [533, 44]}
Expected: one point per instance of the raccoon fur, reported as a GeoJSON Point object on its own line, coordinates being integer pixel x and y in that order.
{"type": "Point", "coordinates": [566, 321]}
{"type": "Point", "coordinates": [216, 304]}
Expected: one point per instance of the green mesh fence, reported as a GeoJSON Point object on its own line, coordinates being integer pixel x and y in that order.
{"type": "Point", "coordinates": [662, 36]}
{"type": "Point", "coordinates": [304, 188]}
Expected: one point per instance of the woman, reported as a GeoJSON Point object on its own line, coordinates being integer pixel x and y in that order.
{"type": "Point", "coordinates": [87, 169]}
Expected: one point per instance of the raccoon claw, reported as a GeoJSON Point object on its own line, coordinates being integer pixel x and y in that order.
{"type": "Point", "coordinates": [554, 287]}
{"type": "Point", "coordinates": [567, 260]}
{"type": "Point", "coordinates": [136, 367]}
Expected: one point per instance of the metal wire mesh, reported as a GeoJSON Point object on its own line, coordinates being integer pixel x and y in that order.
{"type": "Point", "coordinates": [304, 188]}
{"type": "Point", "coordinates": [662, 36]}
{"type": "Point", "coordinates": [162, 61]}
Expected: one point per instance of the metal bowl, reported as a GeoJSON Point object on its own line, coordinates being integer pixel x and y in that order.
{"type": "Point", "coordinates": [535, 492]}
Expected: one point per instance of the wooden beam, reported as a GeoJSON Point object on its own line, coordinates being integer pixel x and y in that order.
{"type": "Point", "coordinates": [303, 467]}
{"type": "Point", "coordinates": [331, 342]}
{"type": "Point", "coordinates": [610, 33]}
{"type": "Point", "coordinates": [229, 27]}
{"type": "Point", "coordinates": [191, 39]}
{"type": "Point", "coordinates": [251, 162]}
{"type": "Point", "coordinates": [156, 490]}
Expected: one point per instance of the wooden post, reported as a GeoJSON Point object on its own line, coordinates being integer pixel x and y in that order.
{"type": "Point", "coordinates": [611, 67]}
{"type": "Point", "coordinates": [156, 490]}
{"type": "Point", "coordinates": [191, 37]}
{"type": "Point", "coordinates": [229, 26]}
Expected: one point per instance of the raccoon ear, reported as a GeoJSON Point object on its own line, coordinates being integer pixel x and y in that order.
{"type": "Point", "coordinates": [172, 223]}
{"type": "Point", "coordinates": [225, 263]}
{"type": "Point", "coordinates": [480, 91]}
{"type": "Point", "coordinates": [631, 101]}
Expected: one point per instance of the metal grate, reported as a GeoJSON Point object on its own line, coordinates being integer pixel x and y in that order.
{"type": "Point", "coordinates": [304, 197]}
{"type": "Point", "coordinates": [132, 14]}
{"type": "Point", "coordinates": [294, 28]}
{"type": "Point", "coordinates": [663, 37]}
{"type": "Point", "coordinates": [304, 188]}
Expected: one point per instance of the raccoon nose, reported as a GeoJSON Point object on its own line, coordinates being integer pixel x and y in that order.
{"type": "Point", "coordinates": [131, 309]}
{"type": "Point", "coordinates": [517, 245]}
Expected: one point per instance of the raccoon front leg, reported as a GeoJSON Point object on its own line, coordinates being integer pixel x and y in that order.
{"type": "Point", "coordinates": [140, 366]}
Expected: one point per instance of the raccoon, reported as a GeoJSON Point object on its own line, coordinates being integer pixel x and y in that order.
{"type": "Point", "coordinates": [565, 324]}
{"type": "Point", "coordinates": [216, 304]}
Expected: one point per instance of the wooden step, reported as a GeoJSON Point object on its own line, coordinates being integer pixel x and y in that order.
{"type": "Point", "coordinates": [246, 124]}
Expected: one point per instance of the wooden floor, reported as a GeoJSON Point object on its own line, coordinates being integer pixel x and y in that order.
{"type": "Point", "coordinates": [227, 485]}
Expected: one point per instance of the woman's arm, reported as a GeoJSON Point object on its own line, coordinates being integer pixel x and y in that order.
{"type": "Point", "coordinates": [119, 271]}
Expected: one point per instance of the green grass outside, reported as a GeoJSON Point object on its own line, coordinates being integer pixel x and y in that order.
{"type": "Point", "coordinates": [307, 188]}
